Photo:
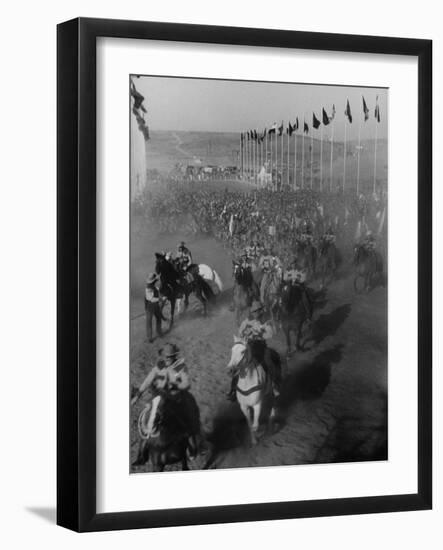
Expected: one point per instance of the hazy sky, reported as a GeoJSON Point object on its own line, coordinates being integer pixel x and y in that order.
{"type": "Point", "coordinates": [185, 104]}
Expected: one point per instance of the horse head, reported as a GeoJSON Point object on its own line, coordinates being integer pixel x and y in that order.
{"type": "Point", "coordinates": [238, 353]}
{"type": "Point", "coordinates": [160, 260]}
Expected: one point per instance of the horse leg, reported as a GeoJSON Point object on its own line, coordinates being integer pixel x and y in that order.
{"type": "Point", "coordinates": [298, 345]}
{"type": "Point", "coordinates": [246, 412]}
{"type": "Point", "coordinates": [256, 411]}
{"type": "Point", "coordinates": [184, 460]}
{"type": "Point", "coordinates": [202, 300]}
{"type": "Point", "coordinates": [171, 321]}
{"type": "Point", "coordinates": [287, 331]}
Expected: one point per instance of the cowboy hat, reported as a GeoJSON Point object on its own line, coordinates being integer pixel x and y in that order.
{"type": "Point", "coordinates": [151, 278]}
{"type": "Point", "coordinates": [256, 306]}
{"type": "Point", "coordinates": [170, 350]}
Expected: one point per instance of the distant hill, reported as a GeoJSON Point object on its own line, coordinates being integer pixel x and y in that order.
{"type": "Point", "coordinates": [166, 149]}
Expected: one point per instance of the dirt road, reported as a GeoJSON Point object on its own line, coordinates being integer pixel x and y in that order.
{"type": "Point", "coordinates": [333, 405]}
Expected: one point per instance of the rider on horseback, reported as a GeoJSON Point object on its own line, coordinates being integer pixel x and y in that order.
{"type": "Point", "coordinates": [184, 256]}
{"type": "Point", "coordinates": [269, 264]}
{"type": "Point", "coordinates": [329, 236]}
{"type": "Point", "coordinates": [170, 376]}
{"type": "Point", "coordinates": [296, 276]}
{"type": "Point", "coordinates": [152, 307]}
{"type": "Point", "coordinates": [255, 331]}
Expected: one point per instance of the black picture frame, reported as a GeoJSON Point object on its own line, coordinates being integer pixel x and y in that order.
{"type": "Point", "coordinates": [76, 266]}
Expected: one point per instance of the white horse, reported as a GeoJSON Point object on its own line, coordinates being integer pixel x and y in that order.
{"type": "Point", "coordinates": [210, 275]}
{"type": "Point", "coordinates": [253, 386]}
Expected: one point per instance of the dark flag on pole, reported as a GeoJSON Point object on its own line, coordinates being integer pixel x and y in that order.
{"type": "Point", "coordinates": [325, 117]}
{"type": "Point", "coordinates": [296, 124]}
{"type": "Point", "coordinates": [348, 111]}
{"type": "Point", "coordinates": [377, 111]}
{"type": "Point", "coordinates": [306, 128]}
{"type": "Point", "coordinates": [290, 129]}
{"type": "Point", "coordinates": [315, 121]}
{"type": "Point", "coordinates": [280, 129]}
{"type": "Point", "coordinates": [255, 135]}
{"type": "Point", "coordinates": [273, 128]}
{"type": "Point", "coordinates": [365, 109]}
{"type": "Point", "coordinates": [331, 118]}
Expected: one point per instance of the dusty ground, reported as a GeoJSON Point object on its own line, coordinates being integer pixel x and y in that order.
{"type": "Point", "coordinates": [334, 398]}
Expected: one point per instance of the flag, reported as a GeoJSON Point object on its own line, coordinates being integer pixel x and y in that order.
{"type": "Point", "coordinates": [247, 133]}
{"type": "Point", "coordinates": [315, 121]}
{"type": "Point", "coordinates": [289, 129]}
{"type": "Point", "coordinates": [255, 135]}
{"type": "Point", "coordinates": [377, 111]}
{"type": "Point", "coordinates": [305, 128]}
{"type": "Point", "coordinates": [365, 109]}
{"type": "Point", "coordinates": [280, 129]}
{"type": "Point", "coordinates": [333, 114]}
{"type": "Point", "coordinates": [325, 117]}
{"type": "Point", "coordinates": [231, 225]}
{"type": "Point", "coordinates": [296, 124]}
{"type": "Point", "coordinates": [348, 111]}
{"type": "Point", "coordinates": [273, 128]}
{"type": "Point", "coordinates": [138, 98]}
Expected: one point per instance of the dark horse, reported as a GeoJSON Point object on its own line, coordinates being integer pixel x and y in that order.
{"type": "Point", "coordinates": [294, 311]}
{"type": "Point", "coordinates": [175, 285]}
{"type": "Point", "coordinates": [327, 261]}
{"type": "Point", "coordinates": [368, 266]}
{"type": "Point", "coordinates": [245, 290]}
{"type": "Point", "coordinates": [306, 254]}
{"type": "Point", "coordinates": [176, 429]}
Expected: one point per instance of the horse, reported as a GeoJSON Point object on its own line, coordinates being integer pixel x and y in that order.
{"type": "Point", "coordinates": [168, 427]}
{"type": "Point", "coordinates": [245, 290]}
{"type": "Point", "coordinates": [293, 312]}
{"type": "Point", "coordinates": [175, 285]}
{"type": "Point", "coordinates": [306, 254]}
{"type": "Point", "coordinates": [254, 385]}
{"type": "Point", "coordinates": [327, 261]}
{"type": "Point", "coordinates": [269, 291]}
{"type": "Point", "coordinates": [368, 264]}
{"type": "Point", "coordinates": [210, 275]}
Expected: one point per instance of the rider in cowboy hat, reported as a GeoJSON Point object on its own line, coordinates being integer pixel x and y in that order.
{"type": "Point", "coordinates": [178, 384]}
{"type": "Point", "coordinates": [255, 331]}
{"type": "Point", "coordinates": [152, 306]}
{"type": "Point", "coordinates": [184, 256]}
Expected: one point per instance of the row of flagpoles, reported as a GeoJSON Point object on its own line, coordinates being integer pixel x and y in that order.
{"type": "Point", "coordinates": [260, 150]}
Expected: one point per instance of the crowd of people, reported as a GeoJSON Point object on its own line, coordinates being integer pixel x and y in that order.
{"type": "Point", "coordinates": [275, 220]}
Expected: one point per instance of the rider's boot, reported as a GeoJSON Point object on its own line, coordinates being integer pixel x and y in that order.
{"type": "Point", "coordinates": [231, 395]}
{"type": "Point", "coordinates": [139, 461]}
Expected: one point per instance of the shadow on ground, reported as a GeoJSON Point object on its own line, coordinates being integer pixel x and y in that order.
{"type": "Point", "coordinates": [328, 323]}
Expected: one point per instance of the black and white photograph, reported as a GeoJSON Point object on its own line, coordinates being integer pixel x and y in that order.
{"type": "Point", "coordinates": [258, 273]}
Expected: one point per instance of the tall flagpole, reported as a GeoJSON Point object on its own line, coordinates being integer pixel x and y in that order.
{"type": "Point", "coordinates": [375, 157]}
{"type": "Point", "coordinates": [276, 157]}
{"type": "Point", "coordinates": [303, 157]}
{"type": "Point", "coordinates": [332, 152]}
{"type": "Point", "coordinates": [246, 155]}
{"type": "Point", "coordinates": [358, 156]}
{"type": "Point", "coordinates": [241, 155]}
{"type": "Point", "coordinates": [321, 154]}
{"type": "Point", "coordinates": [281, 163]}
{"type": "Point", "coordinates": [287, 179]}
{"type": "Point", "coordinates": [312, 152]}
{"type": "Point", "coordinates": [295, 159]}
{"type": "Point", "coordinates": [344, 155]}
{"type": "Point", "coordinates": [271, 160]}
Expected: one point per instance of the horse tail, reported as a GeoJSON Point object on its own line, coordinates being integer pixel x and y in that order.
{"type": "Point", "coordinates": [207, 290]}
{"type": "Point", "coordinates": [217, 280]}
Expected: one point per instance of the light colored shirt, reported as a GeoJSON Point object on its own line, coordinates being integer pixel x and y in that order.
{"type": "Point", "coordinates": [151, 295]}
{"type": "Point", "coordinates": [252, 329]}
